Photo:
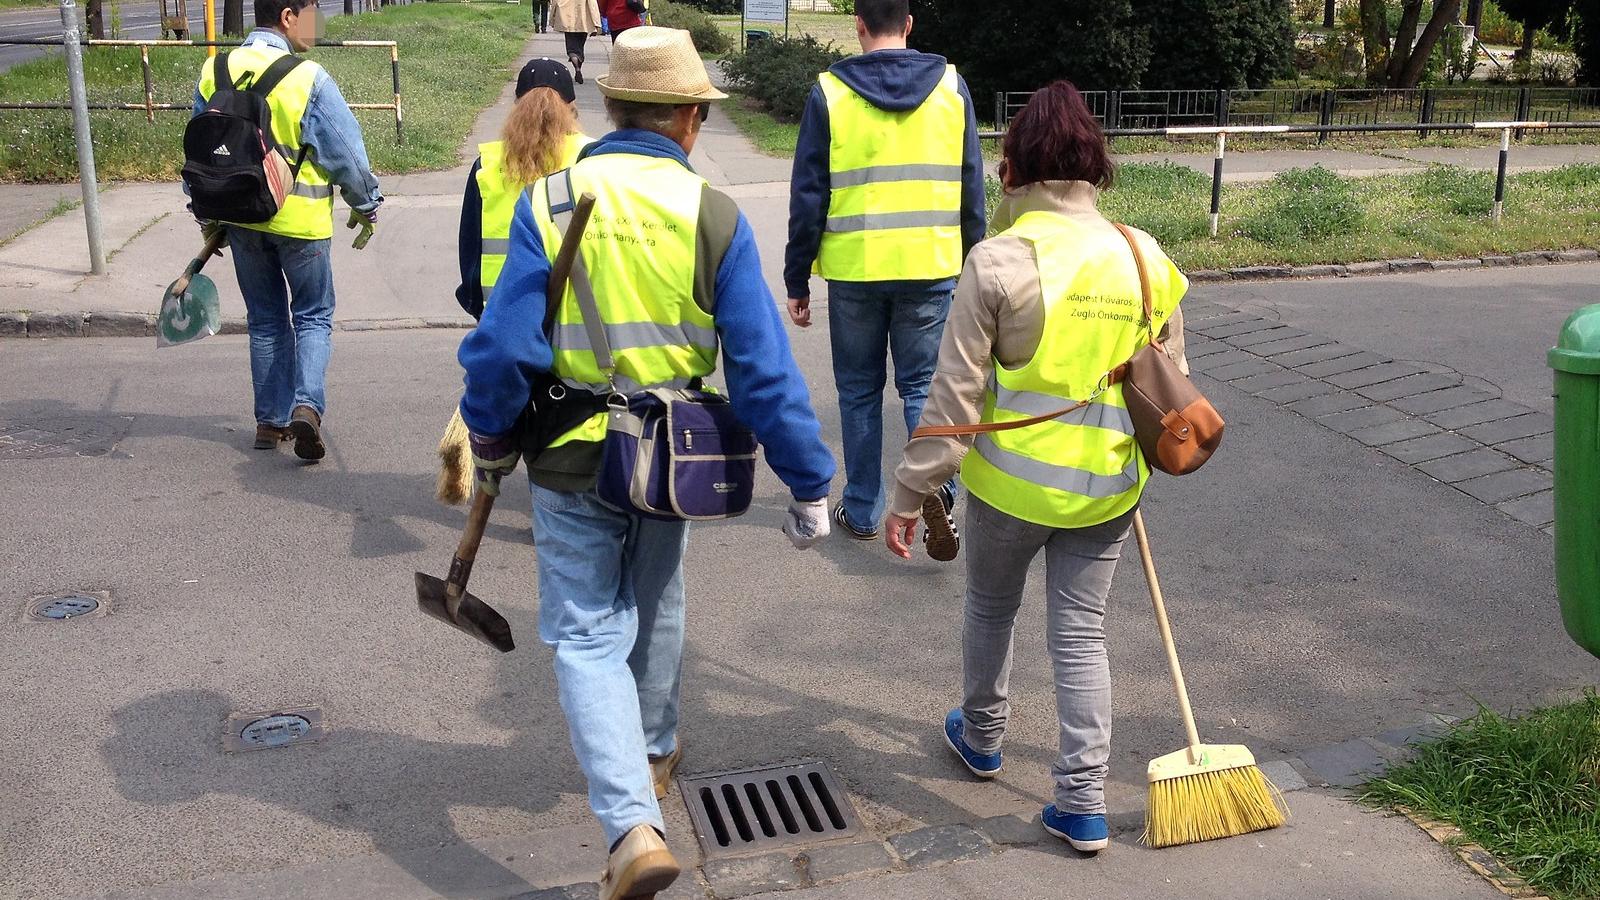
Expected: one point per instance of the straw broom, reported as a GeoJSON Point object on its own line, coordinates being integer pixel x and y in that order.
{"type": "Point", "coordinates": [1204, 791]}
{"type": "Point", "coordinates": [455, 463]}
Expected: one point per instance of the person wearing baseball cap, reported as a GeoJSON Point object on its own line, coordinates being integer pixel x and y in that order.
{"type": "Point", "coordinates": [539, 137]}
{"type": "Point", "coordinates": [676, 280]}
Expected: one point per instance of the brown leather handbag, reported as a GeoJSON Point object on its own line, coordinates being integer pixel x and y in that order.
{"type": "Point", "coordinates": [1176, 427]}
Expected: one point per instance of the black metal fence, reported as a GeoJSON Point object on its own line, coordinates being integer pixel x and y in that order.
{"type": "Point", "coordinates": [1331, 107]}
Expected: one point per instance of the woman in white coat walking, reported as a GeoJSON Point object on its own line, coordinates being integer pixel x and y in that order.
{"type": "Point", "coordinates": [576, 19]}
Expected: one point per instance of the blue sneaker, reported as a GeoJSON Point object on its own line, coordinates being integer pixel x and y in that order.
{"type": "Point", "coordinates": [983, 765]}
{"type": "Point", "coordinates": [1085, 832]}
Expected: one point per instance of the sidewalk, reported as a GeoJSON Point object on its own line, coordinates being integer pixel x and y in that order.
{"type": "Point", "coordinates": [1260, 165]}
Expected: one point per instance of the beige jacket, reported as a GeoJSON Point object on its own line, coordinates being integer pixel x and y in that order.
{"type": "Point", "coordinates": [575, 16]}
{"type": "Point", "coordinates": [998, 313]}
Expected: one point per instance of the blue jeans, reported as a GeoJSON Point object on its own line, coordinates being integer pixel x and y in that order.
{"type": "Point", "coordinates": [867, 324]}
{"type": "Point", "coordinates": [287, 285]}
{"type": "Point", "coordinates": [611, 606]}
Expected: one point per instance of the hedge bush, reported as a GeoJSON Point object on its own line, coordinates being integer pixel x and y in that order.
{"type": "Point", "coordinates": [715, 7]}
{"type": "Point", "coordinates": [708, 38]}
{"type": "Point", "coordinates": [780, 72]}
{"type": "Point", "coordinates": [1303, 204]}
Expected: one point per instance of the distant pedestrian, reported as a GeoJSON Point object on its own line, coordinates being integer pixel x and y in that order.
{"type": "Point", "coordinates": [576, 20]}
{"type": "Point", "coordinates": [540, 136]}
{"type": "Point", "coordinates": [622, 15]}
{"type": "Point", "coordinates": [886, 199]}
{"type": "Point", "coordinates": [283, 264]}
{"type": "Point", "coordinates": [541, 16]}
{"type": "Point", "coordinates": [1040, 319]}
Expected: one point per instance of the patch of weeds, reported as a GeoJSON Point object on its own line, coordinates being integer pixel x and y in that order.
{"type": "Point", "coordinates": [1303, 204]}
{"type": "Point", "coordinates": [1463, 192]}
{"type": "Point", "coordinates": [1169, 201]}
{"type": "Point", "coordinates": [1526, 789]}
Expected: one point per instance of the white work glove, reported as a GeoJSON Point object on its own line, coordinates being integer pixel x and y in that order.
{"type": "Point", "coordinates": [806, 522]}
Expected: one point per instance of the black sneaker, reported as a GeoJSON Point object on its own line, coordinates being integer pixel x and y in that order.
{"type": "Point", "coordinates": [939, 528]}
{"type": "Point", "coordinates": [843, 521]}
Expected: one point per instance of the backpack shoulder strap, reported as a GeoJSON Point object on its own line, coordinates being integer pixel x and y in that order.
{"type": "Point", "coordinates": [221, 78]}
{"type": "Point", "coordinates": [275, 73]}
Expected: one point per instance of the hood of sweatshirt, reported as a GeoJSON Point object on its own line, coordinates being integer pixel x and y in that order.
{"type": "Point", "coordinates": [892, 80]}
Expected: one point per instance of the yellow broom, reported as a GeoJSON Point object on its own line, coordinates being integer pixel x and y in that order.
{"type": "Point", "coordinates": [455, 462]}
{"type": "Point", "coordinates": [1204, 791]}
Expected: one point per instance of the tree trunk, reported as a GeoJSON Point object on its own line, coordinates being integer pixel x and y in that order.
{"type": "Point", "coordinates": [1375, 38]}
{"type": "Point", "coordinates": [1444, 14]}
{"type": "Point", "coordinates": [1404, 39]}
{"type": "Point", "coordinates": [233, 17]}
{"type": "Point", "coordinates": [1474, 15]}
{"type": "Point", "coordinates": [1525, 52]}
{"type": "Point", "coordinates": [1330, 14]}
{"type": "Point", "coordinates": [94, 16]}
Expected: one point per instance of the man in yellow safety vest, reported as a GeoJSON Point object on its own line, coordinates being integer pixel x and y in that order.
{"type": "Point", "coordinates": [283, 264]}
{"type": "Point", "coordinates": [885, 201]}
{"type": "Point", "coordinates": [676, 279]}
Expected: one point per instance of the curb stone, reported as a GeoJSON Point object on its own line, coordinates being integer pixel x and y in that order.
{"type": "Point", "coordinates": [1475, 856]}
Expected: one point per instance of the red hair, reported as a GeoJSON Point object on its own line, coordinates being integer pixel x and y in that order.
{"type": "Point", "coordinates": [1056, 138]}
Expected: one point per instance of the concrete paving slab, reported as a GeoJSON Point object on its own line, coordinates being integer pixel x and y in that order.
{"type": "Point", "coordinates": [1477, 413]}
{"type": "Point", "coordinates": [1472, 464]}
{"type": "Point", "coordinates": [1430, 447]}
{"type": "Point", "coordinates": [1440, 400]}
{"type": "Point", "coordinates": [1506, 485]}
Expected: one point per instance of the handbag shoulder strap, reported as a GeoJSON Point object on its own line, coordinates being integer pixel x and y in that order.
{"type": "Point", "coordinates": [1144, 283]}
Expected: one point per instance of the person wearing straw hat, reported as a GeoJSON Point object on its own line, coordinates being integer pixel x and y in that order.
{"type": "Point", "coordinates": [676, 279]}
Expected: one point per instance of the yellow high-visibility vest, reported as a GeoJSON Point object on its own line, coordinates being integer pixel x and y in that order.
{"type": "Point", "coordinates": [500, 203]}
{"type": "Point", "coordinates": [307, 211]}
{"type": "Point", "coordinates": [638, 256]}
{"type": "Point", "coordinates": [894, 212]}
{"type": "Point", "coordinates": [1083, 468]}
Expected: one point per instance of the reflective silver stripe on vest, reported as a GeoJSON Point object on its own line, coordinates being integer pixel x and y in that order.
{"type": "Point", "coordinates": [1062, 478]}
{"type": "Point", "coordinates": [1095, 415]}
{"type": "Point", "coordinates": [639, 336]}
{"type": "Point", "coordinates": [886, 221]}
{"type": "Point", "coordinates": [627, 385]}
{"type": "Point", "coordinates": [312, 191]}
{"type": "Point", "coordinates": [496, 246]}
{"type": "Point", "coordinates": [882, 174]}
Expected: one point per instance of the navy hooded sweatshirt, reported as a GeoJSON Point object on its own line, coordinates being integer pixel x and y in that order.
{"type": "Point", "coordinates": [895, 81]}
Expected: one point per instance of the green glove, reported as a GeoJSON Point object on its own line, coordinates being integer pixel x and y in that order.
{"type": "Point", "coordinates": [368, 222]}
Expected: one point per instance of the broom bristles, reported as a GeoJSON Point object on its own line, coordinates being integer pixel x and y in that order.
{"type": "Point", "coordinates": [455, 463]}
{"type": "Point", "coordinates": [1210, 805]}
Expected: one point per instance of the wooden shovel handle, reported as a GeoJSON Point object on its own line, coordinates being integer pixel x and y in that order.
{"type": "Point", "coordinates": [561, 269]}
{"type": "Point", "coordinates": [467, 550]}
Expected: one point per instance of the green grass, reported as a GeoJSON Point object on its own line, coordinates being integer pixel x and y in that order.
{"type": "Point", "coordinates": [1312, 217]}
{"type": "Point", "coordinates": [1526, 789]}
{"type": "Point", "coordinates": [771, 136]}
{"type": "Point", "coordinates": [442, 95]}
{"type": "Point", "coordinates": [826, 27]}
{"type": "Point", "coordinates": [26, 4]}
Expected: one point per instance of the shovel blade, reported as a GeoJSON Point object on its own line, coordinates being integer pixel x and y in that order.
{"type": "Point", "coordinates": [478, 619]}
{"type": "Point", "coordinates": [190, 314]}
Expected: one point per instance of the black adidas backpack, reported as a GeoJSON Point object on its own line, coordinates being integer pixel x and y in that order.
{"type": "Point", "coordinates": [235, 169]}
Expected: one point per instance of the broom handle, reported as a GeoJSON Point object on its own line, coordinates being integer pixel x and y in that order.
{"type": "Point", "coordinates": [1166, 635]}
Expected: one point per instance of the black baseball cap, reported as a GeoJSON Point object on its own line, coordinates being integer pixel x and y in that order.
{"type": "Point", "coordinates": [546, 72]}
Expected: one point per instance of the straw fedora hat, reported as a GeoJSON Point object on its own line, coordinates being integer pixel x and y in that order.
{"type": "Point", "coordinates": [657, 65]}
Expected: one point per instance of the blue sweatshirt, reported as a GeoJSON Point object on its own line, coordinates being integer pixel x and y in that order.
{"type": "Point", "coordinates": [508, 349]}
{"type": "Point", "coordinates": [894, 81]}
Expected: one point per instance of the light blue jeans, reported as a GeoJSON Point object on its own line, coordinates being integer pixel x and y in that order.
{"type": "Point", "coordinates": [867, 324]}
{"type": "Point", "coordinates": [611, 606]}
{"type": "Point", "coordinates": [287, 285]}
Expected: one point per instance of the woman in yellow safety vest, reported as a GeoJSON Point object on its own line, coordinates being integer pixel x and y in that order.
{"type": "Point", "coordinates": [1043, 311]}
{"type": "Point", "coordinates": [540, 136]}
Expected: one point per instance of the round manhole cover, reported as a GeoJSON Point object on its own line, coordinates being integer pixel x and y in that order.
{"type": "Point", "coordinates": [60, 608]}
{"type": "Point", "coordinates": [275, 731]}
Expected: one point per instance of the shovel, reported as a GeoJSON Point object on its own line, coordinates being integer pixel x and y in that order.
{"type": "Point", "coordinates": [448, 600]}
{"type": "Point", "coordinates": [189, 308]}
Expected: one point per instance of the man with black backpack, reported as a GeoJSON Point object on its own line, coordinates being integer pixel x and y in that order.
{"type": "Point", "coordinates": [270, 138]}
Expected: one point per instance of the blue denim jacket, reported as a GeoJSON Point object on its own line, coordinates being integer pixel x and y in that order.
{"type": "Point", "coordinates": [330, 129]}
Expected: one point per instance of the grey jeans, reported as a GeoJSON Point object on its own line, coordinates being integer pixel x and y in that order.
{"type": "Point", "coordinates": [1079, 563]}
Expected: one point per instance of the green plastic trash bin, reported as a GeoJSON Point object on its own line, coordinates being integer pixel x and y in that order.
{"type": "Point", "coordinates": [1576, 361]}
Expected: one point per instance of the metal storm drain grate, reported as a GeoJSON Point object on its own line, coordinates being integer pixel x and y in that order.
{"type": "Point", "coordinates": [774, 806]}
{"type": "Point", "coordinates": [268, 729]}
{"type": "Point", "coordinates": [57, 438]}
{"type": "Point", "coordinates": [62, 607]}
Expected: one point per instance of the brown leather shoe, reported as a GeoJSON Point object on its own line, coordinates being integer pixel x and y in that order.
{"type": "Point", "coordinates": [270, 436]}
{"type": "Point", "coordinates": [662, 768]}
{"type": "Point", "coordinates": [306, 428]}
{"type": "Point", "coordinates": [640, 866]}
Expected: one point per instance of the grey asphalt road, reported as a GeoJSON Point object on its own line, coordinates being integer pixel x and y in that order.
{"type": "Point", "coordinates": [139, 21]}
{"type": "Point", "coordinates": [1320, 590]}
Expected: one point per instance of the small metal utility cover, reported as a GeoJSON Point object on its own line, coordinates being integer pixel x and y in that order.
{"type": "Point", "coordinates": [272, 728]}
{"type": "Point", "coordinates": [61, 437]}
{"type": "Point", "coordinates": [753, 810]}
{"type": "Point", "coordinates": [67, 607]}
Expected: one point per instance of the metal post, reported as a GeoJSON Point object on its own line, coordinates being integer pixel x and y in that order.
{"type": "Point", "coordinates": [999, 110]}
{"type": "Point", "coordinates": [149, 85]}
{"type": "Point", "coordinates": [211, 27]}
{"type": "Point", "coordinates": [1500, 175]}
{"type": "Point", "coordinates": [1114, 109]}
{"type": "Point", "coordinates": [394, 68]}
{"type": "Point", "coordinates": [1426, 116]}
{"type": "Point", "coordinates": [1325, 115]}
{"type": "Point", "coordinates": [1216, 182]}
{"type": "Point", "coordinates": [1222, 108]}
{"type": "Point", "coordinates": [1524, 107]}
{"type": "Point", "coordinates": [70, 38]}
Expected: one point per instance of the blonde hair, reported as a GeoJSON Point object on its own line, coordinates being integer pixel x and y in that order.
{"type": "Point", "coordinates": [536, 135]}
